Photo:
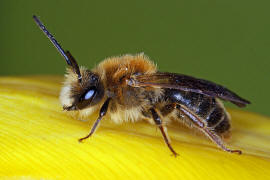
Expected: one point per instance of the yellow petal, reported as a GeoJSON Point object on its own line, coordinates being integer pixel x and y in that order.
{"type": "Point", "coordinates": [40, 141]}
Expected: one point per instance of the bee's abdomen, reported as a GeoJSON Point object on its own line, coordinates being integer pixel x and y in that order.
{"type": "Point", "coordinates": [209, 109]}
{"type": "Point", "coordinates": [218, 119]}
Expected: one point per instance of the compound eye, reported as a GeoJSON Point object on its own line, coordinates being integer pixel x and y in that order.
{"type": "Point", "coordinates": [89, 94]}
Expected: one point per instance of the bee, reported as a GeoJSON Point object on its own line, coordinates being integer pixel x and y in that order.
{"type": "Point", "coordinates": [130, 88]}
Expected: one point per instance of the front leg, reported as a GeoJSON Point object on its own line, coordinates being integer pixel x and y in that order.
{"type": "Point", "coordinates": [163, 129]}
{"type": "Point", "coordinates": [102, 113]}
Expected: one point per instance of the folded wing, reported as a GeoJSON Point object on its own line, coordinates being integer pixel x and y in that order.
{"type": "Point", "coordinates": [186, 83]}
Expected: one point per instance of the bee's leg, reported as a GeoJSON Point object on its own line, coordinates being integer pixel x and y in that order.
{"type": "Point", "coordinates": [215, 138]}
{"type": "Point", "coordinates": [102, 113]}
{"type": "Point", "coordinates": [197, 121]}
{"type": "Point", "coordinates": [163, 130]}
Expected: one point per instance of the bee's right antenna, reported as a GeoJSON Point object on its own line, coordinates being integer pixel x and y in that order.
{"type": "Point", "coordinates": [67, 55]}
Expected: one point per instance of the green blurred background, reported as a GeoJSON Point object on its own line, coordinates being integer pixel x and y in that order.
{"type": "Point", "coordinates": [225, 41]}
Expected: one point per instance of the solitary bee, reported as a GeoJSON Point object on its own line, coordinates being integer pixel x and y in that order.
{"type": "Point", "coordinates": [130, 88]}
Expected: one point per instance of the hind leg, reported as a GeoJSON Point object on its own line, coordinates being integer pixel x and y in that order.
{"type": "Point", "coordinates": [199, 123]}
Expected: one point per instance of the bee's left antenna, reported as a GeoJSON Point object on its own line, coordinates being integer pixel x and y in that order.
{"type": "Point", "coordinates": [68, 57]}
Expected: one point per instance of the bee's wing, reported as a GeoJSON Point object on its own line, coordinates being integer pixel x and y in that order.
{"type": "Point", "coordinates": [186, 83]}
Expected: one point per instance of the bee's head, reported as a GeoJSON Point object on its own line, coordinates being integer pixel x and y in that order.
{"type": "Point", "coordinates": [79, 94]}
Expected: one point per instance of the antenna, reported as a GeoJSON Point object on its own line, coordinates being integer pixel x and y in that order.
{"type": "Point", "coordinates": [69, 59]}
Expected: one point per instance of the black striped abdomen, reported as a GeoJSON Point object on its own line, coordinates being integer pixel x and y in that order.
{"type": "Point", "coordinates": [218, 119]}
{"type": "Point", "coordinates": [208, 108]}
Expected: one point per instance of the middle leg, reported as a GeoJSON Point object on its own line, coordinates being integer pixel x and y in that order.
{"type": "Point", "coordinates": [163, 130]}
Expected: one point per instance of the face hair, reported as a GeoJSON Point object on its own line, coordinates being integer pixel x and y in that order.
{"type": "Point", "coordinates": [67, 55]}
